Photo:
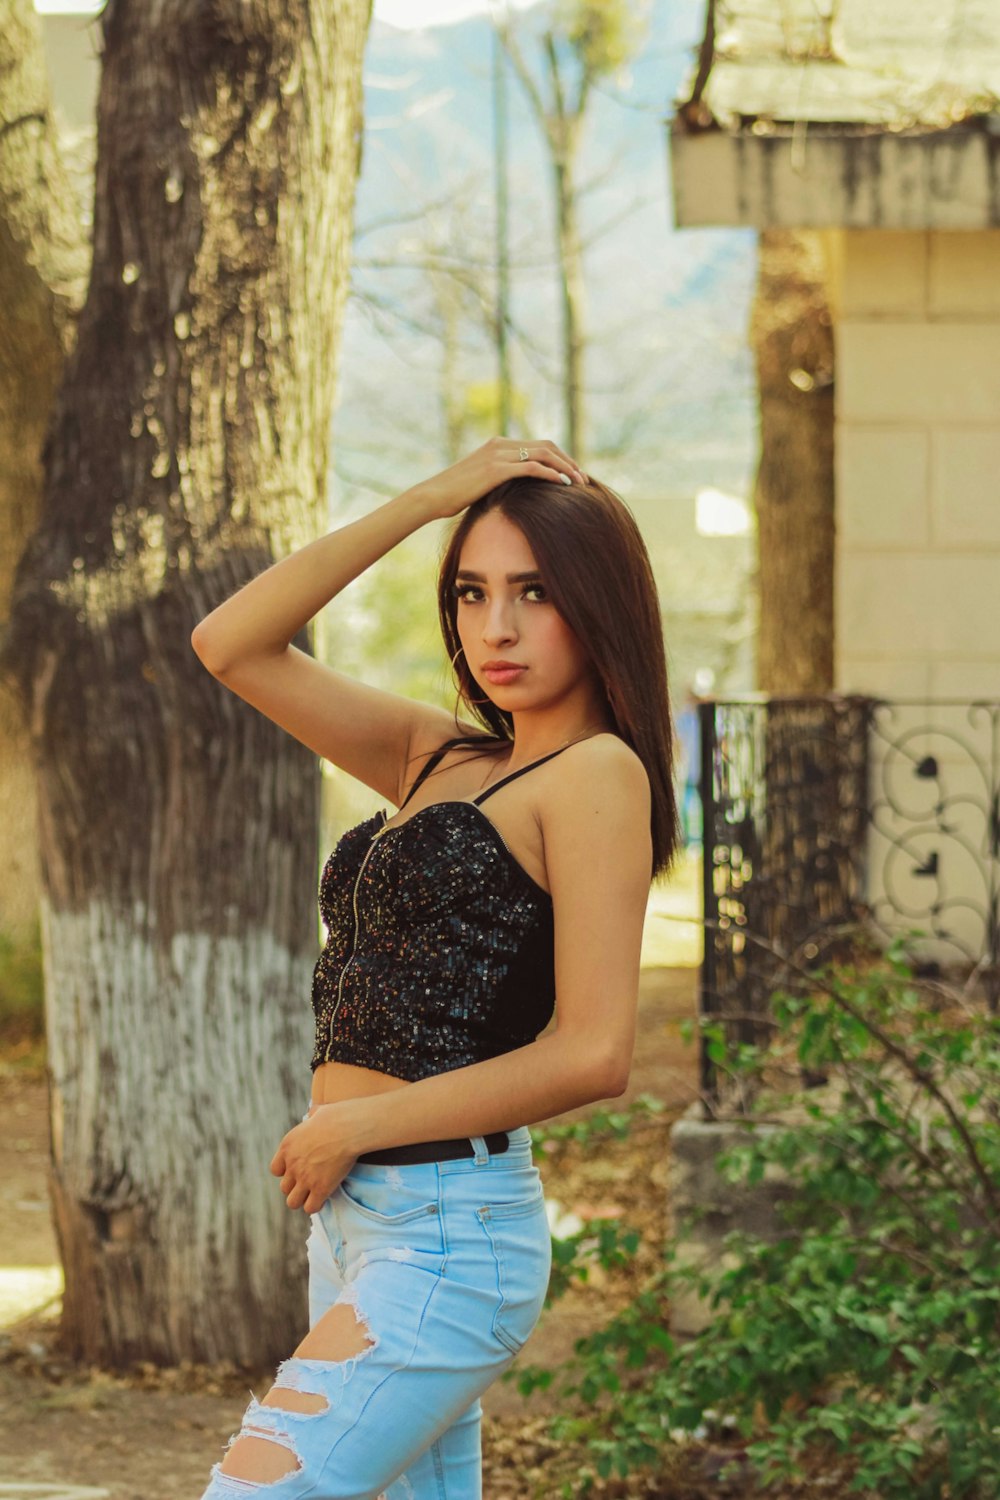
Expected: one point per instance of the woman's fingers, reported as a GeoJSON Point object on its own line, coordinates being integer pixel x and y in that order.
{"type": "Point", "coordinates": [566, 465]}
{"type": "Point", "coordinates": [498, 460]}
{"type": "Point", "coordinates": [542, 471]}
{"type": "Point", "coordinates": [294, 1191]}
{"type": "Point", "coordinates": [298, 1195]}
{"type": "Point", "coordinates": [552, 460]}
{"type": "Point", "coordinates": [295, 1195]}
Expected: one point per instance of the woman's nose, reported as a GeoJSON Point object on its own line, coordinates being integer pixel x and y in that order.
{"type": "Point", "coordinates": [499, 624]}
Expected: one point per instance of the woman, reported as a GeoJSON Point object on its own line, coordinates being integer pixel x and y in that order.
{"type": "Point", "coordinates": [450, 947]}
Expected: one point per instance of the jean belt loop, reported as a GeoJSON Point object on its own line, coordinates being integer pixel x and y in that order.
{"type": "Point", "coordinates": [480, 1148]}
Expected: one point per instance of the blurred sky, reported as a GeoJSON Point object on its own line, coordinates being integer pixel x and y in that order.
{"type": "Point", "coordinates": [415, 13]}
{"type": "Point", "coordinates": [406, 13]}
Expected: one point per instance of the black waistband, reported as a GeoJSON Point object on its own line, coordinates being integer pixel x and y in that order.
{"type": "Point", "coordinates": [450, 1150]}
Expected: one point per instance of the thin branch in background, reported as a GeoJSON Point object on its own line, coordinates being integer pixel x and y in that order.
{"type": "Point", "coordinates": [382, 323]}
{"type": "Point", "coordinates": [598, 179]}
{"type": "Point", "coordinates": [363, 482]}
{"type": "Point", "coordinates": [656, 111]}
{"type": "Point", "coordinates": [694, 112]}
{"type": "Point", "coordinates": [936, 1166]}
{"type": "Point", "coordinates": [920, 1073]}
{"type": "Point", "coordinates": [401, 261]}
{"type": "Point", "coordinates": [423, 262]}
{"type": "Point", "coordinates": [630, 425]}
{"type": "Point", "coordinates": [394, 220]}
{"type": "Point", "coordinates": [386, 313]}
{"type": "Point", "coordinates": [611, 224]}
{"type": "Point", "coordinates": [533, 352]}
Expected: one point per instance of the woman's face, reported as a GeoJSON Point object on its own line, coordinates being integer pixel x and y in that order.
{"type": "Point", "coordinates": [504, 614]}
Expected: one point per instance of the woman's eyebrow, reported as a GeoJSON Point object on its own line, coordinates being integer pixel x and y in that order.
{"type": "Point", "coordinates": [511, 577]}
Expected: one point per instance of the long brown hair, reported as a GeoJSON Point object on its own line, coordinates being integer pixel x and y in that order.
{"type": "Point", "coordinates": [594, 564]}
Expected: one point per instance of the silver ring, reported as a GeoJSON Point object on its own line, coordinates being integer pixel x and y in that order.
{"type": "Point", "coordinates": [523, 453]}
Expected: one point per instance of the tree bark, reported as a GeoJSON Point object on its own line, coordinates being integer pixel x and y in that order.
{"type": "Point", "coordinates": [452, 392]}
{"type": "Point", "coordinates": [178, 826]}
{"type": "Point", "coordinates": [561, 122]}
{"type": "Point", "coordinates": [563, 125]}
{"type": "Point", "coordinates": [793, 342]}
{"type": "Point", "coordinates": [571, 286]}
{"type": "Point", "coordinates": [44, 254]}
{"type": "Point", "coordinates": [804, 867]}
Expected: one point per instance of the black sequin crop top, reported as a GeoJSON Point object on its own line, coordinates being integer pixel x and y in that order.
{"type": "Point", "coordinates": [440, 944]}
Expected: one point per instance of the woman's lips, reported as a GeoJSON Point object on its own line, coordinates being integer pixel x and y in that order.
{"type": "Point", "coordinates": [502, 675]}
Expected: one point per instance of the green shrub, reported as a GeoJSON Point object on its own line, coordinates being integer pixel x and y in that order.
{"type": "Point", "coordinates": [606, 1242]}
{"type": "Point", "coordinates": [22, 1015]}
{"type": "Point", "coordinates": [863, 1342]}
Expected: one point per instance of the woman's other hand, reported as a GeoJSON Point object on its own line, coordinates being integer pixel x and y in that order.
{"type": "Point", "coordinates": [498, 460]}
{"type": "Point", "coordinates": [314, 1157]}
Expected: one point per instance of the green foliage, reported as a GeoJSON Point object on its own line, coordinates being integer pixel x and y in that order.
{"type": "Point", "coordinates": [384, 628]}
{"type": "Point", "coordinates": [605, 34]}
{"type": "Point", "coordinates": [607, 1242]}
{"type": "Point", "coordinates": [482, 408]}
{"type": "Point", "coordinates": [861, 1341]}
{"type": "Point", "coordinates": [22, 1012]}
{"type": "Point", "coordinates": [599, 1124]}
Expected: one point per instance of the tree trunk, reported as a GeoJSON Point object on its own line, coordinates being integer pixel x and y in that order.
{"type": "Point", "coordinates": [562, 126]}
{"type": "Point", "coordinates": [562, 123]}
{"type": "Point", "coordinates": [571, 286]}
{"type": "Point", "coordinates": [805, 864]}
{"type": "Point", "coordinates": [452, 391]}
{"type": "Point", "coordinates": [43, 265]}
{"type": "Point", "coordinates": [792, 337]}
{"type": "Point", "coordinates": [178, 826]}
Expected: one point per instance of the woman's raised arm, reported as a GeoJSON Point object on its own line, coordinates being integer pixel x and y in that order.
{"type": "Point", "coordinates": [268, 612]}
{"type": "Point", "coordinates": [246, 641]}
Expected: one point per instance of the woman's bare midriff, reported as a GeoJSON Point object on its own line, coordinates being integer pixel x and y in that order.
{"type": "Point", "coordinates": [333, 1081]}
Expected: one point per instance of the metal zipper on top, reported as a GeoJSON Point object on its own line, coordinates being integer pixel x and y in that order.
{"type": "Point", "coordinates": [354, 908]}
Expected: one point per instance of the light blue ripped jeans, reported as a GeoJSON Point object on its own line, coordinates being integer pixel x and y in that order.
{"type": "Point", "coordinates": [446, 1265]}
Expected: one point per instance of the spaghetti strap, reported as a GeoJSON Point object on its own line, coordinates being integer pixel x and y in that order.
{"type": "Point", "coordinates": [515, 774]}
{"type": "Point", "coordinates": [431, 762]}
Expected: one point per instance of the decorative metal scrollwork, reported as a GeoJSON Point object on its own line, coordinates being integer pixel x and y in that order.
{"type": "Point", "coordinates": [934, 850]}
{"type": "Point", "coordinates": [822, 813]}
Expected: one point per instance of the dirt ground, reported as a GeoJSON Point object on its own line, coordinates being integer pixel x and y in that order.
{"type": "Point", "coordinates": [76, 1433]}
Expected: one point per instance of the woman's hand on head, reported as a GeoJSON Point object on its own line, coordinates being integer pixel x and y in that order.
{"type": "Point", "coordinates": [498, 460]}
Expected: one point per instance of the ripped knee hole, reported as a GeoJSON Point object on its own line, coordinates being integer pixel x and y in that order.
{"type": "Point", "coordinates": [258, 1453]}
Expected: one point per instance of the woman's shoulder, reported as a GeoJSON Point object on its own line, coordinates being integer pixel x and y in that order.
{"type": "Point", "coordinates": [444, 734]}
{"type": "Point", "coordinates": [438, 748]}
{"type": "Point", "coordinates": [603, 766]}
{"type": "Point", "coordinates": [609, 751]}
{"type": "Point", "coordinates": [595, 817]}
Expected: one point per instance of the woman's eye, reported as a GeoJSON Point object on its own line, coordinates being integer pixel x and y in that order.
{"type": "Point", "coordinates": [467, 591]}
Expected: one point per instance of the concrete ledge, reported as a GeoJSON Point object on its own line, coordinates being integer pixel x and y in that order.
{"type": "Point", "coordinates": [825, 176]}
{"type": "Point", "coordinates": [703, 1207]}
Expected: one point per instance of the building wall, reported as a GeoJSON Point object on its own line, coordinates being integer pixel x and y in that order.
{"type": "Point", "coordinates": [918, 462]}
{"type": "Point", "coordinates": [72, 49]}
{"type": "Point", "coordinates": [918, 563]}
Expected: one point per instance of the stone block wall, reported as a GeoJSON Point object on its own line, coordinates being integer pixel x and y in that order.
{"type": "Point", "coordinates": [918, 461]}
{"type": "Point", "coordinates": [917, 568]}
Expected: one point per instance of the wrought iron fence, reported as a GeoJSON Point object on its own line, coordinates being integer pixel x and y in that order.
{"type": "Point", "coordinates": [824, 814]}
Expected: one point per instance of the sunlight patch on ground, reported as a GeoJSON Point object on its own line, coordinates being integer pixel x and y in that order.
{"type": "Point", "coordinates": [51, 1491]}
{"type": "Point", "coordinates": [673, 935]}
{"type": "Point", "coordinates": [26, 1289]}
